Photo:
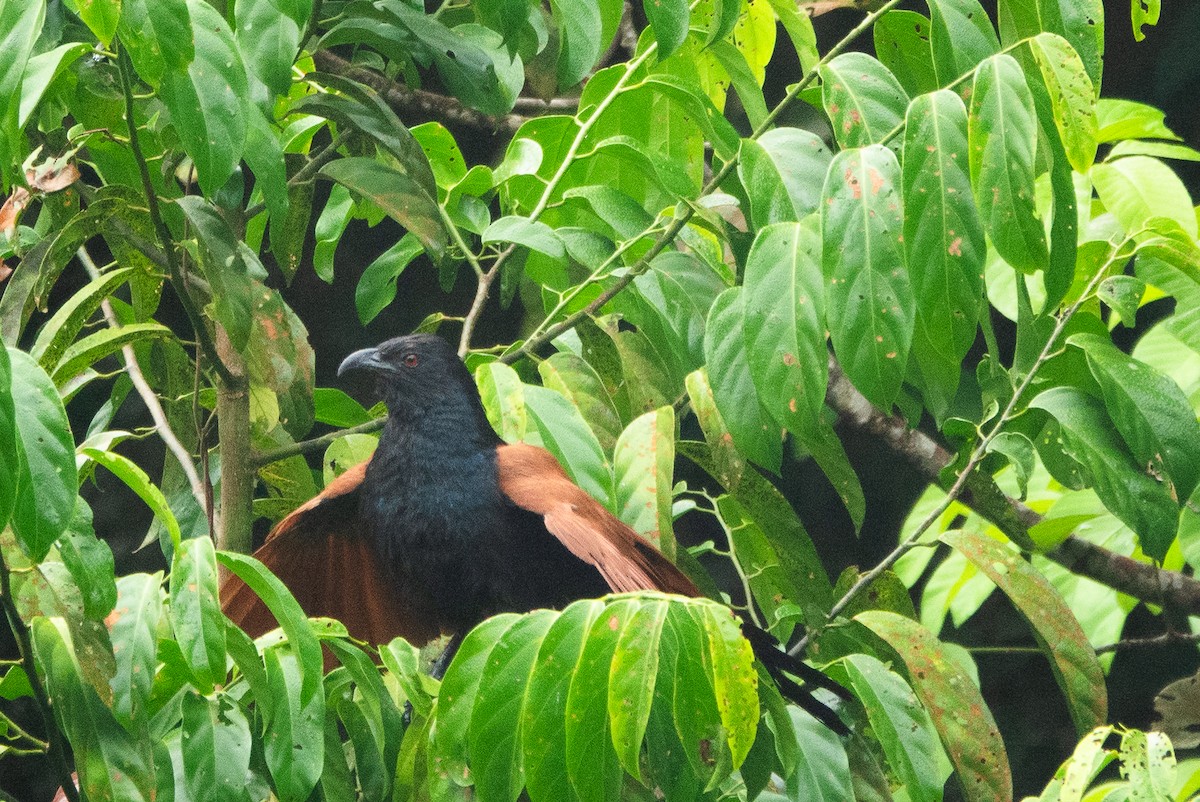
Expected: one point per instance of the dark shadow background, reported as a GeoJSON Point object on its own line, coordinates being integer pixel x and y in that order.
{"type": "Point", "coordinates": [1163, 70]}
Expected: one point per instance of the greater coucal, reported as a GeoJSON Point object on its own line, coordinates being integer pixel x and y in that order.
{"type": "Point", "coordinates": [447, 525]}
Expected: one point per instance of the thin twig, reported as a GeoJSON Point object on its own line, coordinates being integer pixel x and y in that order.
{"type": "Point", "coordinates": [203, 337]}
{"type": "Point", "coordinates": [1165, 639]}
{"type": "Point", "coordinates": [54, 736]}
{"type": "Point", "coordinates": [147, 394]}
{"type": "Point", "coordinates": [316, 443]}
{"type": "Point", "coordinates": [418, 104]}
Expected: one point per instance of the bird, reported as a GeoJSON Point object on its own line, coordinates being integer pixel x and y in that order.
{"type": "Point", "coordinates": [446, 525]}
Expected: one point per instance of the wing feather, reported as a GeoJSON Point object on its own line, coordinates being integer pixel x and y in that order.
{"type": "Point", "coordinates": [320, 553]}
{"type": "Point", "coordinates": [532, 479]}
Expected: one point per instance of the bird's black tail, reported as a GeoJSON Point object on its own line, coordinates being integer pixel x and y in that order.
{"type": "Point", "coordinates": [780, 664]}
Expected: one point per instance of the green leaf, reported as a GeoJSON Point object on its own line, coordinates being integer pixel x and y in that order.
{"type": "Point", "coordinates": [684, 695]}
{"type": "Point", "coordinates": [632, 680]}
{"type": "Point", "coordinates": [402, 661]}
{"type": "Point", "coordinates": [269, 38]}
{"type": "Point", "coordinates": [580, 30]}
{"type": "Point", "coordinates": [669, 21]}
{"type": "Point", "coordinates": [750, 425]}
{"type": "Point", "coordinates": [42, 71]}
{"type": "Point", "coordinates": [742, 76]}
{"type": "Point", "coordinates": [1080, 22]}
{"type": "Point", "coordinates": [902, 44]}
{"type": "Point", "coordinates": [592, 766]}
{"type": "Point", "coordinates": [331, 223]}
{"type": "Point", "coordinates": [1123, 294]}
{"type": "Point", "coordinates": [543, 717]}
{"type": "Point", "coordinates": [771, 511]}
{"type": "Point", "coordinates": [561, 431]}
{"type": "Point", "coordinates": [533, 234]}
{"type": "Point", "coordinates": [157, 35]}
{"type": "Point", "coordinates": [961, 37]}
{"type": "Point", "coordinates": [470, 59]}
{"type": "Point", "coordinates": [360, 107]}
{"type": "Point", "coordinates": [297, 705]}
{"type": "Point", "coordinates": [503, 397]}
{"type": "Point", "coordinates": [617, 210]}
{"type": "Point", "coordinates": [20, 24]}
{"type": "Point", "coordinates": [699, 107]}
{"type": "Point", "coordinates": [382, 724]}
{"type": "Point", "coordinates": [643, 464]}
{"type": "Point", "coordinates": [574, 378]}
{"type": "Point", "coordinates": [377, 285]}
{"type": "Point", "coordinates": [824, 773]}
{"type": "Point", "coordinates": [1137, 189]}
{"type": "Point", "coordinates": [781, 171]}
{"type": "Point", "coordinates": [1127, 119]}
{"type": "Point", "coordinates": [784, 324]}
{"type": "Point", "coordinates": [863, 99]}
{"type": "Point", "coordinates": [85, 353]}
{"type": "Point", "coordinates": [216, 748]}
{"type": "Point", "coordinates": [399, 195]}
{"type": "Point", "coordinates": [295, 719]}
{"type": "Point", "coordinates": [1151, 413]}
{"type": "Point", "coordinates": [101, 17]}
{"type": "Point", "coordinates": [1139, 499]}
{"type": "Point", "coordinates": [46, 480]}
{"type": "Point", "coordinates": [1149, 763]}
{"type": "Point", "coordinates": [70, 317]}
{"type": "Point", "coordinates": [334, 407]}
{"type": "Point", "coordinates": [207, 102]}
{"type": "Point", "coordinates": [735, 681]}
{"type": "Point", "coordinates": [943, 242]}
{"type": "Point", "coordinates": [196, 611]}
{"type": "Point", "coordinates": [264, 155]}
{"type": "Point", "coordinates": [1143, 12]}
{"type": "Point", "coordinates": [1072, 97]}
{"type": "Point", "coordinates": [1002, 136]}
{"type": "Point", "coordinates": [1057, 630]}
{"type": "Point", "coordinates": [135, 622]}
{"type": "Point", "coordinates": [11, 467]}
{"type": "Point", "coordinates": [902, 726]}
{"type": "Point", "coordinates": [137, 481]}
{"type": "Point", "coordinates": [494, 733]}
{"type": "Point", "coordinates": [869, 301]}
{"type": "Point", "coordinates": [963, 720]}
{"type": "Point", "coordinates": [456, 698]}
{"type": "Point", "coordinates": [772, 586]}
{"type": "Point", "coordinates": [109, 762]}
{"type": "Point", "coordinates": [229, 267]}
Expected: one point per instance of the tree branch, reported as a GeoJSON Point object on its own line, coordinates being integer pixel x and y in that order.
{"type": "Point", "coordinates": [237, 464]}
{"type": "Point", "coordinates": [980, 493]}
{"type": "Point", "coordinates": [419, 104]}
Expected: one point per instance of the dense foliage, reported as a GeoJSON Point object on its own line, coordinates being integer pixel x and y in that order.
{"type": "Point", "coordinates": [686, 266]}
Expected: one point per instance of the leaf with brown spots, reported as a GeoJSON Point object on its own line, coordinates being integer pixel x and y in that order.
{"type": "Point", "coordinates": [1057, 631]}
{"type": "Point", "coordinates": [963, 720]}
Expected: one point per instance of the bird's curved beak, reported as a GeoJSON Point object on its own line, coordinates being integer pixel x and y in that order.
{"type": "Point", "coordinates": [366, 359]}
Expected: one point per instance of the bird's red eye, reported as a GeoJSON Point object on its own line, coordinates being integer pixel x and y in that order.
{"type": "Point", "coordinates": [410, 360]}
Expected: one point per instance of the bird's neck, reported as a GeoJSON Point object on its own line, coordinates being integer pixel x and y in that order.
{"type": "Point", "coordinates": [439, 449]}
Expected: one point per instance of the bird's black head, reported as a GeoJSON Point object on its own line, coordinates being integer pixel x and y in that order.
{"type": "Point", "coordinates": [418, 373]}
